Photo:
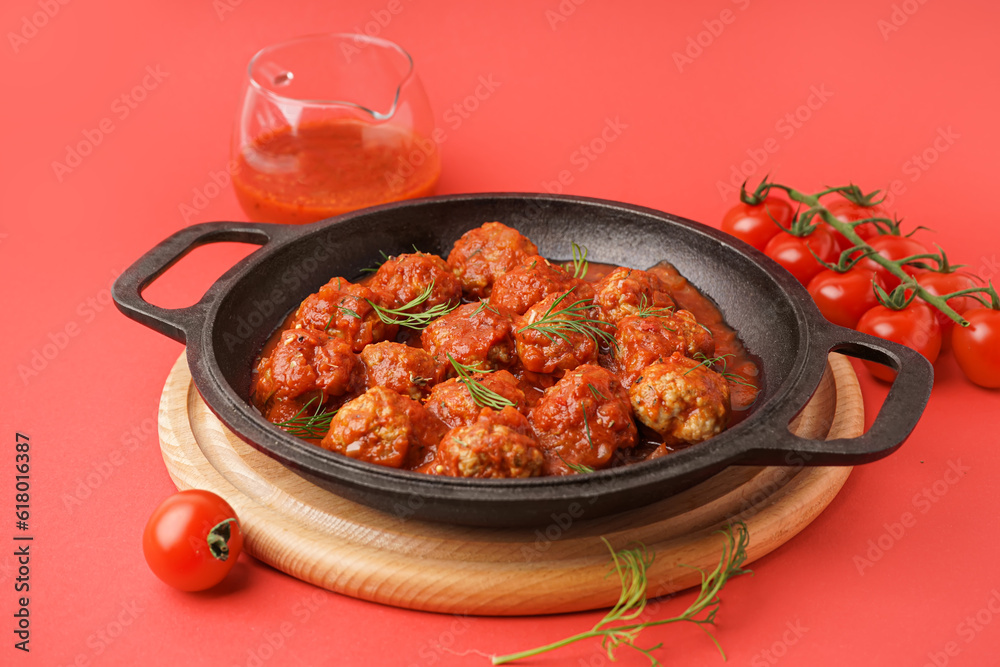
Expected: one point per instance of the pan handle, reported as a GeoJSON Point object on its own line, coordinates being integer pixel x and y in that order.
{"type": "Point", "coordinates": [177, 323]}
{"type": "Point", "coordinates": [895, 420]}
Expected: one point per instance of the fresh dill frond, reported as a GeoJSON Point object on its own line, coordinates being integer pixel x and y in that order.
{"type": "Point", "coordinates": [596, 392]}
{"type": "Point", "coordinates": [481, 395]}
{"type": "Point", "coordinates": [631, 564]}
{"type": "Point", "coordinates": [378, 265]}
{"type": "Point", "coordinates": [712, 362]}
{"type": "Point", "coordinates": [572, 318]}
{"type": "Point", "coordinates": [305, 425]}
{"type": "Point", "coordinates": [646, 309]}
{"type": "Point", "coordinates": [579, 261]}
{"type": "Point", "coordinates": [586, 425]}
{"type": "Point", "coordinates": [403, 318]}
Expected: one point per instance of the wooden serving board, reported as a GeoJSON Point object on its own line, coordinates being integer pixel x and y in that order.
{"type": "Point", "coordinates": [331, 542]}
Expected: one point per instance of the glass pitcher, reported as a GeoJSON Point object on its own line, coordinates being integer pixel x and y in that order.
{"type": "Point", "coordinates": [330, 124]}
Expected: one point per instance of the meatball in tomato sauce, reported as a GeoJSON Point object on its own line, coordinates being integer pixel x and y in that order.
{"type": "Point", "coordinates": [407, 277]}
{"type": "Point", "coordinates": [517, 290]}
{"type": "Point", "coordinates": [583, 420]}
{"type": "Point", "coordinates": [683, 400]}
{"type": "Point", "coordinates": [475, 335]}
{"type": "Point", "coordinates": [382, 427]}
{"type": "Point", "coordinates": [302, 366]}
{"type": "Point", "coordinates": [544, 349]}
{"type": "Point", "coordinates": [625, 292]}
{"type": "Point", "coordinates": [485, 253]}
{"type": "Point", "coordinates": [406, 370]}
{"type": "Point", "coordinates": [495, 445]}
{"type": "Point", "coordinates": [452, 403]}
{"type": "Point", "coordinates": [344, 310]}
{"type": "Point", "coordinates": [643, 341]}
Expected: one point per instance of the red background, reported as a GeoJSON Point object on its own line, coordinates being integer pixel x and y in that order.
{"type": "Point", "coordinates": [889, 92]}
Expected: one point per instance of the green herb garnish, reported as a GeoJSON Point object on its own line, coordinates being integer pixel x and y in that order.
{"type": "Point", "coordinates": [573, 318]}
{"type": "Point", "coordinates": [596, 392]}
{"type": "Point", "coordinates": [631, 565]}
{"type": "Point", "coordinates": [305, 425]}
{"type": "Point", "coordinates": [413, 320]}
{"type": "Point", "coordinates": [708, 362]}
{"type": "Point", "coordinates": [579, 261]}
{"type": "Point", "coordinates": [481, 395]}
{"type": "Point", "coordinates": [646, 309]}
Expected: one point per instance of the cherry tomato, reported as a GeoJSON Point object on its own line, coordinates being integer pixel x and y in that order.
{"type": "Point", "coordinates": [844, 297]}
{"type": "Point", "coordinates": [946, 283]}
{"type": "Point", "coordinates": [914, 326]}
{"type": "Point", "coordinates": [754, 224]}
{"type": "Point", "coordinates": [894, 248]}
{"type": "Point", "coordinates": [848, 211]}
{"type": "Point", "coordinates": [793, 254]}
{"type": "Point", "coordinates": [977, 346]}
{"type": "Point", "coordinates": [192, 540]}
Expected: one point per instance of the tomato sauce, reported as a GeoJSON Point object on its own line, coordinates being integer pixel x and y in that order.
{"type": "Point", "coordinates": [323, 169]}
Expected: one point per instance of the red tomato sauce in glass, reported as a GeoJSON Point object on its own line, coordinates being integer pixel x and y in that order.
{"type": "Point", "coordinates": [323, 169]}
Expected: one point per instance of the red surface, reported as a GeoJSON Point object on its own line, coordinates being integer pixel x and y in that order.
{"type": "Point", "coordinates": [547, 87]}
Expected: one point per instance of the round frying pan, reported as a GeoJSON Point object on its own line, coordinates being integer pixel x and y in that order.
{"type": "Point", "coordinates": [774, 315]}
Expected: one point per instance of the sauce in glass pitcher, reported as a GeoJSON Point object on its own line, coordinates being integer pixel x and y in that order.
{"type": "Point", "coordinates": [323, 169]}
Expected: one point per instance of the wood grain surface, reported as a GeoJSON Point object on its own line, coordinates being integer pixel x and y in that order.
{"type": "Point", "coordinates": [339, 545]}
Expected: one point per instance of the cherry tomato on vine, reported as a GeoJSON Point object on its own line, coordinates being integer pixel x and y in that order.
{"type": "Point", "coordinates": [939, 284]}
{"type": "Point", "coordinates": [848, 211]}
{"type": "Point", "coordinates": [756, 224]}
{"type": "Point", "coordinates": [893, 248]}
{"type": "Point", "coordinates": [844, 297]}
{"type": "Point", "coordinates": [793, 254]}
{"type": "Point", "coordinates": [914, 326]}
{"type": "Point", "coordinates": [192, 540]}
{"type": "Point", "coordinates": [977, 346]}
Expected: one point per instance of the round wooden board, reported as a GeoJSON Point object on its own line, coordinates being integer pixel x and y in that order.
{"type": "Point", "coordinates": [331, 542]}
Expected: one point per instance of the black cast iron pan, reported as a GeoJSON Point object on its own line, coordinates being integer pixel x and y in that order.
{"type": "Point", "coordinates": [772, 312]}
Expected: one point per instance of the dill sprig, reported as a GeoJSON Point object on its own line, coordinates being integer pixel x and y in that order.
{"type": "Point", "coordinates": [305, 425]}
{"type": "Point", "coordinates": [483, 305]}
{"type": "Point", "coordinates": [596, 392]}
{"type": "Point", "coordinates": [646, 309]}
{"type": "Point", "coordinates": [631, 565]}
{"type": "Point", "coordinates": [579, 261]}
{"type": "Point", "coordinates": [378, 265]}
{"type": "Point", "coordinates": [576, 467]}
{"type": "Point", "coordinates": [586, 425]}
{"type": "Point", "coordinates": [711, 362]}
{"type": "Point", "coordinates": [413, 320]}
{"type": "Point", "coordinates": [481, 395]}
{"type": "Point", "coordinates": [574, 318]}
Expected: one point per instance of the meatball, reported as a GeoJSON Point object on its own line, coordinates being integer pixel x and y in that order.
{"type": "Point", "coordinates": [476, 335]}
{"type": "Point", "coordinates": [497, 445]}
{"type": "Point", "coordinates": [546, 350]}
{"type": "Point", "coordinates": [452, 403]}
{"type": "Point", "coordinates": [484, 253]}
{"type": "Point", "coordinates": [342, 310]}
{"type": "Point", "coordinates": [406, 277]}
{"type": "Point", "coordinates": [406, 370]}
{"type": "Point", "coordinates": [625, 292]}
{"type": "Point", "coordinates": [642, 341]}
{"type": "Point", "coordinates": [582, 420]}
{"type": "Point", "coordinates": [517, 290]}
{"type": "Point", "coordinates": [382, 427]}
{"type": "Point", "coordinates": [307, 362]}
{"type": "Point", "coordinates": [682, 400]}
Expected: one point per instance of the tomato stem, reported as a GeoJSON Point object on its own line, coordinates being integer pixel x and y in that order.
{"type": "Point", "coordinates": [853, 192]}
{"type": "Point", "coordinates": [218, 539]}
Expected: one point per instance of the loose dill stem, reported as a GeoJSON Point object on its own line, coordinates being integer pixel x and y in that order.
{"type": "Point", "coordinates": [570, 319]}
{"type": "Point", "coordinates": [631, 565]}
{"type": "Point", "coordinates": [847, 229]}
